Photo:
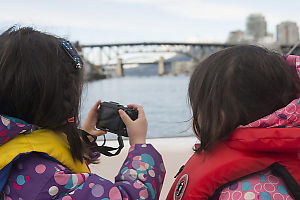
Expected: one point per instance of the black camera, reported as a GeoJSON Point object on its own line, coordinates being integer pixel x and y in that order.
{"type": "Point", "coordinates": [109, 118]}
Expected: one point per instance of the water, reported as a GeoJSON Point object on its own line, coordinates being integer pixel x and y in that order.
{"type": "Point", "coordinates": [164, 100]}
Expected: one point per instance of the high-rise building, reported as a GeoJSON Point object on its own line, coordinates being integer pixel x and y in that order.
{"type": "Point", "coordinates": [236, 37]}
{"type": "Point", "coordinates": [256, 26]}
{"type": "Point", "coordinates": [287, 33]}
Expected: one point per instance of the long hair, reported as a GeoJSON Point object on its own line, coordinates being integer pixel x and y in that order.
{"type": "Point", "coordinates": [236, 86]}
{"type": "Point", "coordinates": [39, 83]}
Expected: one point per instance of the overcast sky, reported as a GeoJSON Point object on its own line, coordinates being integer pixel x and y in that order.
{"type": "Point", "coordinates": [110, 21]}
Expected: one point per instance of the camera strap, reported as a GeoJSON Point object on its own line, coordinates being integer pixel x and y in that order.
{"type": "Point", "coordinates": [105, 150]}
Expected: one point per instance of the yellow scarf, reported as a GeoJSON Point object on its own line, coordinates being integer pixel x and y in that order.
{"type": "Point", "coordinates": [42, 140]}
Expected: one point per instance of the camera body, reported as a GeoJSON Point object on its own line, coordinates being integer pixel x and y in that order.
{"type": "Point", "coordinates": [109, 118]}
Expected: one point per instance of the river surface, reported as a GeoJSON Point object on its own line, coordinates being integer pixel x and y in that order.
{"type": "Point", "coordinates": [164, 99]}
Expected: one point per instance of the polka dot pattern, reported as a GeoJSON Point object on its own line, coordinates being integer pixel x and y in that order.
{"type": "Point", "coordinates": [282, 190]}
{"type": "Point", "coordinates": [143, 194]}
{"type": "Point", "coordinates": [265, 196]}
{"type": "Point", "coordinates": [246, 186]}
{"type": "Point", "coordinates": [21, 180]}
{"type": "Point", "coordinates": [234, 186]}
{"type": "Point", "coordinates": [249, 195]}
{"type": "Point", "coordinates": [262, 178]}
{"type": "Point", "coordinates": [114, 194]}
{"type": "Point", "coordinates": [97, 190]}
{"type": "Point", "coordinates": [263, 185]}
{"type": "Point", "coordinates": [141, 176]}
{"type": "Point", "coordinates": [40, 168]}
{"type": "Point", "coordinates": [53, 190]}
{"type": "Point", "coordinates": [10, 129]}
{"type": "Point", "coordinates": [67, 198]}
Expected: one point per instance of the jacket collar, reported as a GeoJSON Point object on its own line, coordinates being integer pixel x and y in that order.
{"type": "Point", "coordinates": [286, 117]}
{"type": "Point", "coordinates": [266, 140]}
{"type": "Point", "coordinates": [11, 127]}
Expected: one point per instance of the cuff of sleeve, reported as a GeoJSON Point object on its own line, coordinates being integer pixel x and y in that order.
{"type": "Point", "coordinates": [144, 148]}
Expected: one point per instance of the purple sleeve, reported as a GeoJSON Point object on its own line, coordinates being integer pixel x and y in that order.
{"type": "Point", "coordinates": [262, 185]}
{"type": "Point", "coordinates": [140, 177]}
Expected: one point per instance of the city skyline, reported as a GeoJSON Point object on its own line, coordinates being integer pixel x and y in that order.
{"type": "Point", "coordinates": [287, 32]}
{"type": "Point", "coordinates": [108, 21]}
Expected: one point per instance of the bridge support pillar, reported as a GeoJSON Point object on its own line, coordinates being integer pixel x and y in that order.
{"type": "Point", "coordinates": [119, 68]}
{"type": "Point", "coordinates": [161, 66]}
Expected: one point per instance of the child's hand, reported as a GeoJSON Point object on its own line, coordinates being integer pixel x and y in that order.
{"type": "Point", "coordinates": [89, 124]}
{"type": "Point", "coordinates": [137, 130]}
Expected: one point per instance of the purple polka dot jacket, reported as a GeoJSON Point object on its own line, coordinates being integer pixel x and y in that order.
{"type": "Point", "coordinates": [36, 175]}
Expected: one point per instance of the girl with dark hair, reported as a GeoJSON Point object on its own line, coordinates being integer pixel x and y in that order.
{"type": "Point", "coordinates": [246, 114]}
{"type": "Point", "coordinates": [43, 154]}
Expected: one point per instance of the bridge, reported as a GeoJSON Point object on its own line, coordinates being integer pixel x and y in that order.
{"type": "Point", "coordinates": [115, 55]}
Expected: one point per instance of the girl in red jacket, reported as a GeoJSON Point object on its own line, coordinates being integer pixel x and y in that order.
{"type": "Point", "coordinates": [246, 114]}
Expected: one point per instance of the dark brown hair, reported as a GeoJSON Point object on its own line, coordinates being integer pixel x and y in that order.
{"type": "Point", "coordinates": [236, 86]}
{"type": "Point", "coordinates": [39, 83]}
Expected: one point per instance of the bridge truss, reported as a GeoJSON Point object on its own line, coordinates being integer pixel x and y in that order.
{"type": "Point", "coordinates": [107, 54]}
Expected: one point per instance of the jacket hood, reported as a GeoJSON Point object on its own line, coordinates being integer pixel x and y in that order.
{"type": "Point", "coordinates": [11, 127]}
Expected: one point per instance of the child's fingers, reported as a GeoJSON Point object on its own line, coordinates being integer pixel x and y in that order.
{"type": "Point", "coordinates": [99, 132]}
{"type": "Point", "coordinates": [94, 109]}
{"type": "Point", "coordinates": [126, 119]}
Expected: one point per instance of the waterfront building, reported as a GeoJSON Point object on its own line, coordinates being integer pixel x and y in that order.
{"type": "Point", "coordinates": [287, 33]}
{"type": "Point", "coordinates": [236, 37]}
{"type": "Point", "coordinates": [256, 26]}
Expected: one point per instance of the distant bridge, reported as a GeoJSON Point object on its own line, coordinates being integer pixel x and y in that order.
{"type": "Point", "coordinates": [113, 54]}
{"type": "Point", "coordinates": [155, 44]}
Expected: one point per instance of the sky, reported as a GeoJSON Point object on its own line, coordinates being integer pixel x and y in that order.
{"type": "Point", "coordinates": [113, 21]}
